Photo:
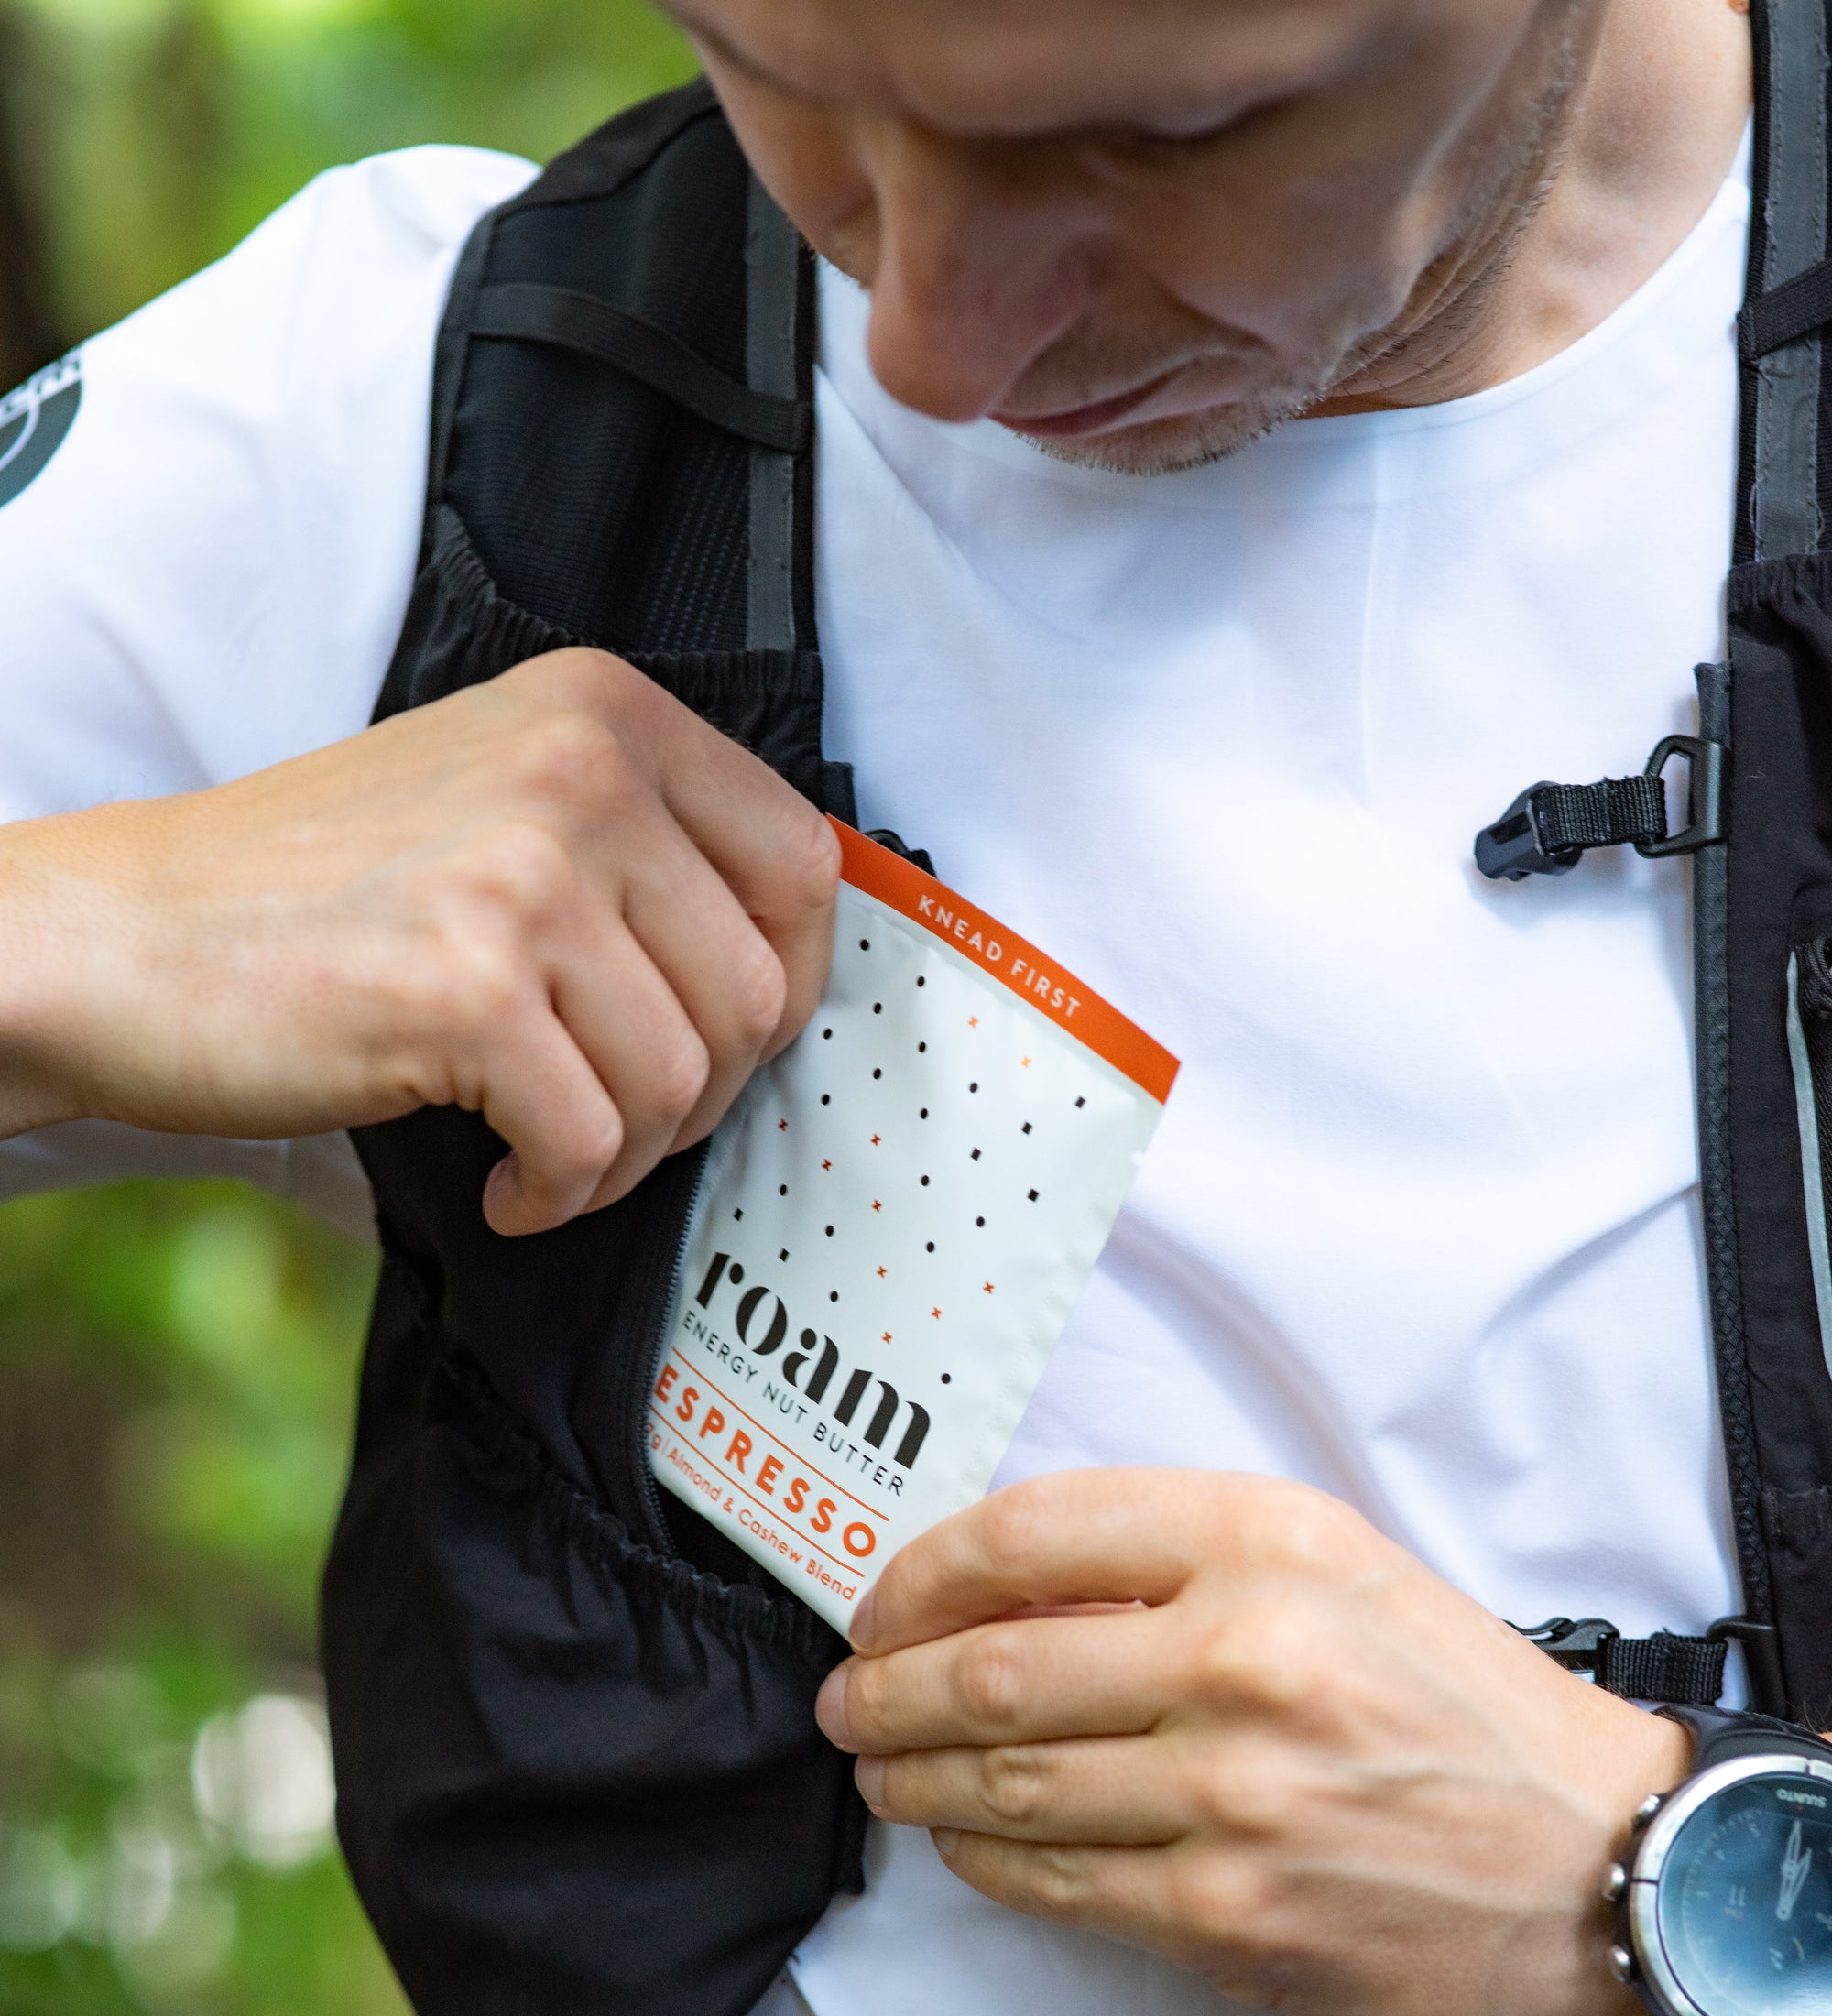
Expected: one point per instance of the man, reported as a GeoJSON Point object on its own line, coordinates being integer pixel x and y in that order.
{"type": "Point", "coordinates": [1403, 1330]}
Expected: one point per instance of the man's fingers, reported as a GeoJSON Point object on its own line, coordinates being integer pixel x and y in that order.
{"type": "Point", "coordinates": [785, 871]}
{"type": "Point", "coordinates": [725, 874]}
{"type": "Point", "coordinates": [1117, 1792]}
{"type": "Point", "coordinates": [778, 855]}
{"type": "Point", "coordinates": [1099, 1536]}
{"type": "Point", "coordinates": [723, 970]}
{"type": "Point", "coordinates": [564, 1128]}
{"type": "Point", "coordinates": [1029, 1681]}
{"type": "Point", "coordinates": [1197, 1910]}
{"type": "Point", "coordinates": [1085, 1536]}
{"type": "Point", "coordinates": [771, 848]}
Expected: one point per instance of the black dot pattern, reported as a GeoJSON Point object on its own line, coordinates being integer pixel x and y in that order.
{"type": "Point", "coordinates": [829, 1123]}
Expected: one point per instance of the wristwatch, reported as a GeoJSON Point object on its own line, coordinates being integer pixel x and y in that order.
{"type": "Point", "coordinates": [1724, 1904]}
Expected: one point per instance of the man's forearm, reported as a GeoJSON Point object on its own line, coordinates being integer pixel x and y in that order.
{"type": "Point", "coordinates": [42, 916]}
{"type": "Point", "coordinates": [559, 900]}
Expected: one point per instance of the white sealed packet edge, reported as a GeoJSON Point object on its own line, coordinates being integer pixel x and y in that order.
{"type": "Point", "coordinates": [893, 1225]}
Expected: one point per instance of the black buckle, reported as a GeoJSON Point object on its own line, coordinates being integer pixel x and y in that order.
{"type": "Point", "coordinates": [1512, 849]}
{"type": "Point", "coordinates": [1762, 1659]}
{"type": "Point", "coordinates": [1704, 796]}
{"type": "Point", "coordinates": [1577, 1645]}
{"type": "Point", "coordinates": [1515, 847]}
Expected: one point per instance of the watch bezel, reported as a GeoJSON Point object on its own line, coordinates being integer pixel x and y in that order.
{"type": "Point", "coordinates": [1643, 1901]}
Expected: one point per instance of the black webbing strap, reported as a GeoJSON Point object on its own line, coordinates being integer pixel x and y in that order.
{"type": "Point", "coordinates": [522, 312]}
{"type": "Point", "coordinates": [1683, 1671]}
{"type": "Point", "coordinates": [772, 308]}
{"type": "Point", "coordinates": [1800, 308]}
{"type": "Point", "coordinates": [1780, 506]}
{"type": "Point", "coordinates": [1616, 811]}
{"type": "Point", "coordinates": [1676, 1671]}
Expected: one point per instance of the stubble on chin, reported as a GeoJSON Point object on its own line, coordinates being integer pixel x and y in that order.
{"type": "Point", "coordinates": [1416, 360]}
{"type": "Point", "coordinates": [1188, 440]}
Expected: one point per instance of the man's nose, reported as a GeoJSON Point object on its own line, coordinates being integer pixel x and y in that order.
{"type": "Point", "coordinates": [983, 259]}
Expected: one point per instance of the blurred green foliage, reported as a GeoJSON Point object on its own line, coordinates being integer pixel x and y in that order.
{"type": "Point", "coordinates": [175, 1374]}
{"type": "Point", "coordinates": [177, 1362]}
{"type": "Point", "coordinates": [166, 129]}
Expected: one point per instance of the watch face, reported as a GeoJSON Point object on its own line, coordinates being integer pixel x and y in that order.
{"type": "Point", "coordinates": [1745, 1899]}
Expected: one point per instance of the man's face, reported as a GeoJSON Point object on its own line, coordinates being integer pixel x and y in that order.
{"type": "Point", "coordinates": [1141, 231]}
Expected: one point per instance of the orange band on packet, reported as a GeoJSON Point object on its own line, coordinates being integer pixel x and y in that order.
{"type": "Point", "coordinates": [1012, 960]}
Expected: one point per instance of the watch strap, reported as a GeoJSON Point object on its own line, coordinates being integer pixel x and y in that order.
{"type": "Point", "coordinates": [1719, 1734]}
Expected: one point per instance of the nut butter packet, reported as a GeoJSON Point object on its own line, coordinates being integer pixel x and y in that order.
{"type": "Point", "coordinates": [894, 1222]}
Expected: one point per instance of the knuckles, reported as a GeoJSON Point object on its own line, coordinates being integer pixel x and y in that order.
{"type": "Point", "coordinates": [565, 757]}
{"type": "Point", "coordinates": [1059, 1882]}
{"type": "Point", "coordinates": [1221, 1906]}
{"type": "Point", "coordinates": [679, 1077]}
{"type": "Point", "coordinates": [472, 984]}
{"type": "Point", "coordinates": [808, 862]}
{"type": "Point", "coordinates": [517, 869]}
{"type": "Point", "coordinates": [1242, 1791]}
{"type": "Point", "coordinates": [1272, 1658]}
{"type": "Point", "coordinates": [1012, 1526]}
{"type": "Point", "coordinates": [759, 996]}
{"type": "Point", "coordinates": [1013, 1785]}
{"type": "Point", "coordinates": [1301, 1529]}
{"type": "Point", "coordinates": [990, 1685]}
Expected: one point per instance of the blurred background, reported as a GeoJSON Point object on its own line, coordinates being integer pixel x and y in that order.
{"type": "Point", "coordinates": [177, 1362]}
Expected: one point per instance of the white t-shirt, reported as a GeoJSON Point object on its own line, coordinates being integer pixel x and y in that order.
{"type": "Point", "coordinates": [1420, 1225]}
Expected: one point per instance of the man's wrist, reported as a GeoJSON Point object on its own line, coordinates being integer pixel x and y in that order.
{"type": "Point", "coordinates": [1648, 1757]}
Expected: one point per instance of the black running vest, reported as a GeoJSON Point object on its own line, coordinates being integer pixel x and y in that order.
{"type": "Point", "coordinates": [578, 1768]}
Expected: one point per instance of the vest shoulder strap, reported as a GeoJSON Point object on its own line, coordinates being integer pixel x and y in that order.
{"type": "Point", "coordinates": [1765, 897]}
{"type": "Point", "coordinates": [622, 437]}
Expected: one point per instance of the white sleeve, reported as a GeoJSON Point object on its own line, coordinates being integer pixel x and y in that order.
{"type": "Point", "coordinates": [209, 520]}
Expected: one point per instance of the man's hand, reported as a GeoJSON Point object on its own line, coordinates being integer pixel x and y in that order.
{"type": "Point", "coordinates": [560, 899]}
{"type": "Point", "coordinates": [1293, 1760]}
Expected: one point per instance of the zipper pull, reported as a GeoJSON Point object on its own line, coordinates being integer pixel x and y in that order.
{"type": "Point", "coordinates": [918, 856]}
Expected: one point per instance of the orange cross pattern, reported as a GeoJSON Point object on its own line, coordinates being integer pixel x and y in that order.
{"type": "Point", "coordinates": [988, 1288]}
{"type": "Point", "coordinates": [876, 1139]}
{"type": "Point", "coordinates": [880, 1274]}
{"type": "Point", "coordinates": [1027, 1064]}
{"type": "Point", "coordinates": [886, 1336]}
{"type": "Point", "coordinates": [826, 1165]}
{"type": "Point", "coordinates": [876, 1206]}
{"type": "Point", "coordinates": [782, 1127]}
{"type": "Point", "coordinates": [973, 1021]}
{"type": "Point", "coordinates": [934, 1312]}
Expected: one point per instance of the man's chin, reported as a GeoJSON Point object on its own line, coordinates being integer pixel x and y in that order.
{"type": "Point", "coordinates": [1184, 441]}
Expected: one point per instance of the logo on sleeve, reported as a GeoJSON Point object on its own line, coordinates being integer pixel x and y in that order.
{"type": "Point", "coordinates": [34, 421]}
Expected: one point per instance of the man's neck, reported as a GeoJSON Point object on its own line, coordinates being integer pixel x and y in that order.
{"type": "Point", "coordinates": [1641, 154]}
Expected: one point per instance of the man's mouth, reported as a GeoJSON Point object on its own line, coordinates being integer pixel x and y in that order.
{"type": "Point", "coordinates": [1070, 421]}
